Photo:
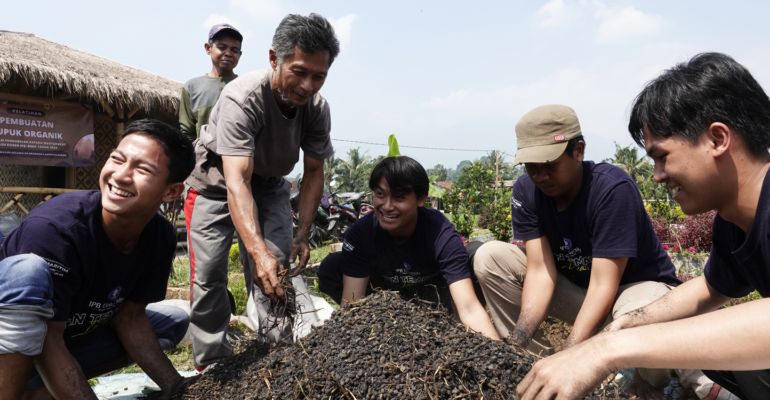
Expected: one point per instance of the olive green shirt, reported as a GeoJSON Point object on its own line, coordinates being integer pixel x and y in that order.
{"type": "Point", "coordinates": [198, 98]}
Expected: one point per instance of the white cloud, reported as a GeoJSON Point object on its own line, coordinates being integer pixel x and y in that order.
{"type": "Point", "coordinates": [619, 24]}
{"type": "Point", "coordinates": [554, 14]}
{"type": "Point", "coordinates": [613, 24]}
{"type": "Point", "coordinates": [343, 27]}
{"type": "Point", "coordinates": [259, 10]}
{"type": "Point", "coordinates": [214, 19]}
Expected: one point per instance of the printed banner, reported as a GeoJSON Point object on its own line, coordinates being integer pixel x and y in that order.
{"type": "Point", "coordinates": [39, 131]}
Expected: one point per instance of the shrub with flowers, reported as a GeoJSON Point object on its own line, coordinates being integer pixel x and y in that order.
{"type": "Point", "coordinates": [690, 235]}
{"type": "Point", "coordinates": [475, 192]}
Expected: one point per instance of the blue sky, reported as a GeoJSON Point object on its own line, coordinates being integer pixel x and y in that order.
{"type": "Point", "coordinates": [435, 73]}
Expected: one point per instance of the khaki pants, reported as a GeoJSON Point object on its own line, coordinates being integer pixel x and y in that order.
{"type": "Point", "coordinates": [501, 268]}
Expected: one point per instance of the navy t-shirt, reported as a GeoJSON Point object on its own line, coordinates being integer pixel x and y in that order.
{"type": "Point", "coordinates": [434, 250]}
{"type": "Point", "coordinates": [91, 277]}
{"type": "Point", "coordinates": [740, 264]}
{"type": "Point", "coordinates": [606, 219]}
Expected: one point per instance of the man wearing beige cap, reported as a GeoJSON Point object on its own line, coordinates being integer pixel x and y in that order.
{"type": "Point", "coordinates": [590, 252]}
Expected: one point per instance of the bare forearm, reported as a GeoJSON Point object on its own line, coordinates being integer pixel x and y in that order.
{"type": "Point", "coordinates": [142, 345]}
{"type": "Point", "coordinates": [62, 374]}
{"type": "Point", "coordinates": [243, 211]}
{"type": "Point", "coordinates": [535, 300]}
{"type": "Point", "coordinates": [732, 339]}
{"type": "Point", "coordinates": [478, 320]}
{"type": "Point", "coordinates": [691, 298]}
{"type": "Point", "coordinates": [596, 307]}
{"type": "Point", "coordinates": [309, 197]}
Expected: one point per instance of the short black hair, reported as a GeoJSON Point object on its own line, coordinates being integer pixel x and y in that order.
{"type": "Point", "coordinates": [571, 145]}
{"type": "Point", "coordinates": [711, 87]}
{"type": "Point", "coordinates": [403, 174]}
{"type": "Point", "coordinates": [176, 145]}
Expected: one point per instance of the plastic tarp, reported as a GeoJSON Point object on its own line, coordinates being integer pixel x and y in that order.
{"type": "Point", "coordinates": [311, 311]}
{"type": "Point", "coordinates": [128, 386]}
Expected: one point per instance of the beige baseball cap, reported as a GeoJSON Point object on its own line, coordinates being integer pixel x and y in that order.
{"type": "Point", "coordinates": [542, 134]}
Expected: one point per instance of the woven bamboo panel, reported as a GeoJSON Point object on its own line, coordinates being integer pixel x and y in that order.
{"type": "Point", "coordinates": [105, 138]}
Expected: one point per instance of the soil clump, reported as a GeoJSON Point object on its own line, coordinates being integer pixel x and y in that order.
{"type": "Point", "coordinates": [380, 347]}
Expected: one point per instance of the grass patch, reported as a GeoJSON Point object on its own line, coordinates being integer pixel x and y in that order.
{"type": "Point", "coordinates": [237, 286]}
{"type": "Point", "coordinates": [180, 272]}
{"type": "Point", "coordinates": [319, 253]}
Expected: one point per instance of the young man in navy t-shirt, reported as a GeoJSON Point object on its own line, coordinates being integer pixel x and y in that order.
{"type": "Point", "coordinates": [590, 252]}
{"type": "Point", "coordinates": [405, 247]}
{"type": "Point", "coordinates": [706, 125]}
{"type": "Point", "coordinates": [76, 277]}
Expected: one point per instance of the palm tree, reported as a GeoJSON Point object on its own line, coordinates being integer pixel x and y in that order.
{"type": "Point", "coordinates": [350, 176]}
{"type": "Point", "coordinates": [331, 169]}
{"type": "Point", "coordinates": [628, 159]}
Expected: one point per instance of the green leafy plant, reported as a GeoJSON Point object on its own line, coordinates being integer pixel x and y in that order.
{"type": "Point", "coordinates": [393, 147]}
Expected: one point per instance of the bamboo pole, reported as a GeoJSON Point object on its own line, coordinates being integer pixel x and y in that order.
{"type": "Point", "coordinates": [11, 203]}
{"type": "Point", "coordinates": [120, 125]}
{"type": "Point", "coordinates": [132, 112]}
{"type": "Point", "coordinates": [21, 207]}
{"type": "Point", "coordinates": [108, 108]}
{"type": "Point", "coordinates": [34, 190]}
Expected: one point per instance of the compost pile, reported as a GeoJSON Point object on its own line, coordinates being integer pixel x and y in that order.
{"type": "Point", "coordinates": [381, 347]}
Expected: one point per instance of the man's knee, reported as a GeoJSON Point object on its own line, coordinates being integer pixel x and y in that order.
{"type": "Point", "coordinates": [169, 322]}
{"type": "Point", "coordinates": [487, 259]}
{"type": "Point", "coordinates": [330, 276]}
{"type": "Point", "coordinates": [25, 280]}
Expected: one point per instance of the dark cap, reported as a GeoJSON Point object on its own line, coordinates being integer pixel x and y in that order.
{"type": "Point", "coordinates": [219, 27]}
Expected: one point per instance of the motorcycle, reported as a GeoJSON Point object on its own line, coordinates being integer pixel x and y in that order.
{"type": "Point", "coordinates": [348, 212]}
{"type": "Point", "coordinates": [320, 229]}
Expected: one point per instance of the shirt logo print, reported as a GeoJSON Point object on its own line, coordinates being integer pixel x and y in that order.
{"type": "Point", "coordinates": [114, 293]}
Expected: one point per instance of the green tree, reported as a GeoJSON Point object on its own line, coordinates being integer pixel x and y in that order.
{"type": "Point", "coordinates": [440, 171]}
{"type": "Point", "coordinates": [331, 168]}
{"type": "Point", "coordinates": [353, 173]}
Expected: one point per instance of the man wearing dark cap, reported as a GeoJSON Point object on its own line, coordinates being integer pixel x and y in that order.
{"type": "Point", "coordinates": [254, 137]}
{"type": "Point", "coordinates": [200, 94]}
{"type": "Point", "coordinates": [590, 252]}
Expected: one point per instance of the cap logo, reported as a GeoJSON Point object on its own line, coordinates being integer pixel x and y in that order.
{"type": "Point", "coordinates": [559, 138]}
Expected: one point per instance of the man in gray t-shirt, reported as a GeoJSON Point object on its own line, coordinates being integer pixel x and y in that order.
{"type": "Point", "coordinates": [256, 129]}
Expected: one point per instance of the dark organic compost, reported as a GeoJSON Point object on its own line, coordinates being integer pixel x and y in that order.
{"type": "Point", "coordinates": [381, 347]}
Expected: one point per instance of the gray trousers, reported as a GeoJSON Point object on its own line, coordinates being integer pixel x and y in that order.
{"type": "Point", "coordinates": [210, 235]}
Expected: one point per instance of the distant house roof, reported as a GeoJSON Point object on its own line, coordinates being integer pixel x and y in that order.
{"type": "Point", "coordinates": [444, 184]}
{"type": "Point", "coordinates": [509, 183]}
{"type": "Point", "coordinates": [56, 70]}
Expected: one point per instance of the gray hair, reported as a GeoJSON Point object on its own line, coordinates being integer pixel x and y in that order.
{"type": "Point", "coordinates": [313, 34]}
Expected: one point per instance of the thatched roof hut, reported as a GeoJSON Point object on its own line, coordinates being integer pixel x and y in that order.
{"type": "Point", "coordinates": [117, 93]}
{"type": "Point", "coordinates": [34, 66]}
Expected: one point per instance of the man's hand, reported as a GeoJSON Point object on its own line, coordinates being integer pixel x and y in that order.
{"type": "Point", "coordinates": [566, 375]}
{"type": "Point", "coordinates": [265, 276]}
{"type": "Point", "coordinates": [299, 248]}
{"type": "Point", "coordinates": [621, 322]}
{"type": "Point", "coordinates": [180, 385]}
{"type": "Point", "coordinates": [520, 337]}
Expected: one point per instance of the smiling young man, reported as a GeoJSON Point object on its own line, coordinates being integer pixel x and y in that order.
{"type": "Point", "coordinates": [254, 137]}
{"type": "Point", "coordinates": [706, 125]}
{"type": "Point", "coordinates": [76, 277]}
{"type": "Point", "coordinates": [590, 253]}
{"type": "Point", "coordinates": [405, 247]}
{"type": "Point", "coordinates": [200, 94]}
